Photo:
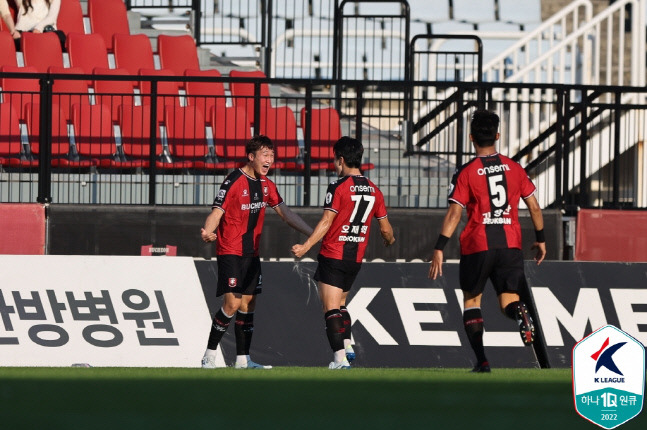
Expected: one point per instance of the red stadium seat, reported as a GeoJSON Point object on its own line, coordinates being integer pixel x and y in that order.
{"type": "Point", "coordinates": [60, 144]}
{"type": "Point", "coordinates": [133, 52]}
{"type": "Point", "coordinates": [67, 92]}
{"type": "Point", "coordinates": [113, 93]}
{"type": "Point", "coordinates": [20, 91]}
{"type": "Point", "coordinates": [87, 51]}
{"type": "Point", "coordinates": [41, 50]}
{"type": "Point", "coordinates": [325, 130]}
{"type": "Point", "coordinates": [11, 149]}
{"type": "Point", "coordinates": [280, 125]}
{"type": "Point", "coordinates": [177, 53]}
{"type": "Point", "coordinates": [230, 131]}
{"type": "Point", "coordinates": [107, 18]}
{"type": "Point", "coordinates": [7, 50]}
{"type": "Point", "coordinates": [93, 134]}
{"type": "Point", "coordinates": [70, 17]}
{"type": "Point", "coordinates": [168, 92]}
{"type": "Point", "coordinates": [187, 141]}
{"type": "Point", "coordinates": [243, 93]}
{"type": "Point", "coordinates": [135, 126]}
{"type": "Point", "coordinates": [205, 95]}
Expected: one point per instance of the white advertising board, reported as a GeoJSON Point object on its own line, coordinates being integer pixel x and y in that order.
{"type": "Point", "coordinates": [111, 311]}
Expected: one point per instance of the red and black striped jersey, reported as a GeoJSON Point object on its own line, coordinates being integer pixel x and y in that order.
{"type": "Point", "coordinates": [490, 188]}
{"type": "Point", "coordinates": [243, 200]}
{"type": "Point", "coordinates": [355, 200]}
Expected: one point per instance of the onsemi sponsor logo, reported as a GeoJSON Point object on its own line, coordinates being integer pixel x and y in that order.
{"type": "Point", "coordinates": [361, 189]}
{"type": "Point", "coordinates": [492, 169]}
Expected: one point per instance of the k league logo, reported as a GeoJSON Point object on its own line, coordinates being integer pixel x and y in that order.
{"type": "Point", "coordinates": [608, 377]}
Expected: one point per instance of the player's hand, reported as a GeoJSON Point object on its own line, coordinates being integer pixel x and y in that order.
{"type": "Point", "coordinates": [541, 251]}
{"type": "Point", "coordinates": [388, 243]}
{"type": "Point", "coordinates": [208, 237]}
{"type": "Point", "coordinates": [436, 266]}
{"type": "Point", "coordinates": [299, 250]}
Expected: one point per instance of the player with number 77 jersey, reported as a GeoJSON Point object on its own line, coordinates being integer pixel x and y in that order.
{"type": "Point", "coordinates": [351, 203]}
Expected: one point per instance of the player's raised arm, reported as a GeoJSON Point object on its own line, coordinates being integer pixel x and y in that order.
{"type": "Point", "coordinates": [293, 220]}
{"type": "Point", "coordinates": [208, 232]}
{"type": "Point", "coordinates": [452, 218]}
{"type": "Point", "coordinates": [299, 250]}
{"type": "Point", "coordinates": [538, 221]}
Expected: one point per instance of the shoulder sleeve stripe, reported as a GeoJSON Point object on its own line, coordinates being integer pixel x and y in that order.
{"type": "Point", "coordinates": [331, 209]}
{"type": "Point", "coordinates": [457, 202]}
{"type": "Point", "coordinates": [381, 217]}
{"type": "Point", "coordinates": [277, 205]}
{"type": "Point", "coordinates": [529, 195]}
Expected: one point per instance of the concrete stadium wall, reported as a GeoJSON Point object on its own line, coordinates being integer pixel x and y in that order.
{"type": "Point", "coordinates": [123, 230]}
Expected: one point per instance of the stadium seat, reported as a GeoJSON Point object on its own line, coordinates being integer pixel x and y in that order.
{"type": "Point", "coordinates": [325, 130]}
{"type": "Point", "coordinates": [107, 18]}
{"type": "Point", "coordinates": [177, 53]}
{"type": "Point", "coordinates": [67, 92]}
{"type": "Point", "coordinates": [41, 50]}
{"type": "Point", "coordinates": [230, 132]}
{"type": "Point", "coordinates": [7, 50]}
{"type": "Point", "coordinates": [113, 93]}
{"type": "Point", "coordinates": [133, 52]}
{"type": "Point", "coordinates": [280, 125]}
{"type": "Point", "coordinates": [93, 134]}
{"type": "Point", "coordinates": [205, 95]}
{"type": "Point", "coordinates": [168, 92]}
{"type": "Point", "coordinates": [87, 51]}
{"type": "Point", "coordinates": [430, 10]}
{"type": "Point", "coordinates": [61, 152]}
{"type": "Point", "coordinates": [20, 91]}
{"type": "Point", "coordinates": [11, 149]}
{"type": "Point", "coordinates": [70, 17]}
{"type": "Point", "coordinates": [243, 93]}
{"type": "Point", "coordinates": [471, 11]}
{"type": "Point", "coordinates": [187, 140]}
{"type": "Point", "coordinates": [530, 13]}
{"type": "Point", "coordinates": [135, 126]}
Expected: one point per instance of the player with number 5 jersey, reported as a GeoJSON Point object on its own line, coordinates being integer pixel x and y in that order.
{"type": "Point", "coordinates": [351, 203]}
{"type": "Point", "coordinates": [490, 186]}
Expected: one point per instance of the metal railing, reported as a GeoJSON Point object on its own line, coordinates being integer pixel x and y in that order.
{"type": "Point", "coordinates": [583, 144]}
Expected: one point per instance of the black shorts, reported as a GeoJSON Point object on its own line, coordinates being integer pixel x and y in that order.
{"type": "Point", "coordinates": [504, 267]}
{"type": "Point", "coordinates": [338, 273]}
{"type": "Point", "coordinates": [238, 274]}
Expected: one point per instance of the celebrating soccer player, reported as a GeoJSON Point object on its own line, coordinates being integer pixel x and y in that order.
{"type": "Point", "coordinates": [490, 187]}
{"type": "Point", "coordinates": [237, 215]}
{"type": "Point", "coordinates": [351, 203]}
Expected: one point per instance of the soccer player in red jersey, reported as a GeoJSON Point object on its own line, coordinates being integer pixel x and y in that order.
{"type": "Point", "coordinates": [490, 186]}
{"type": "Point", "coordinates": [351, 203]}
{"type": "Point", "coordinates": [236, 221]}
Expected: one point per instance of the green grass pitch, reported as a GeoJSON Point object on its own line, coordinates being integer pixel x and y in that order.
{"type": "Point", "coordinates": [288, 398]}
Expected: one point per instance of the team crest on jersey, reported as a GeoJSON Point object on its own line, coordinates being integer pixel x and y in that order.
{"type": "Point", "coordinates": [266, 190]}
{"type": "Point", "coordinates": [245, 192]}
{"type": "Point", "coordinates": [328, 198]}
{"type": "Point", "coordinates": [232, 282]}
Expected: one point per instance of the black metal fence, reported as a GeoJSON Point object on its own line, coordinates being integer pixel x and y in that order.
{"type": "Point", "coordinates": [171, 140]}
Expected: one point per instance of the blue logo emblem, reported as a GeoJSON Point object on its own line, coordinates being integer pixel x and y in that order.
{"type": "Point", "coordinates": [606, 358]}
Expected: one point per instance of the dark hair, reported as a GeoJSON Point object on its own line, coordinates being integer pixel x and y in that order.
{"type": "Point", "coordinates": [258, 142]}
{"type": "Point", "coordinates": [484, 127]}
{"type": "Point", "coordinates": [351, 150]}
